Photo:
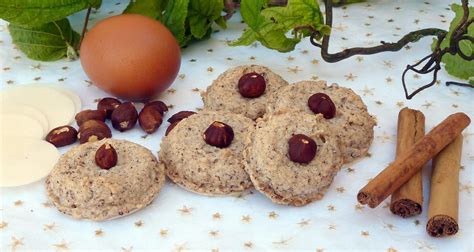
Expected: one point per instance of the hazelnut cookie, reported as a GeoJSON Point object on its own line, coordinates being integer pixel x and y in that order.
{"type": "Point", "coordinates": [342, 108]}
{"type": "Point", "coordinates": [243, 90]}
{"type": "Point", "coordinates": [293, 158]}
{"type": "Point", "coordinates": [204, 153]}
{"type": "Point", "coordinates": [78, 187]}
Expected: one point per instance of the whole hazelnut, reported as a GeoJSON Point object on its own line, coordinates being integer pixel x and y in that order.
{"type": "Point", "coordinates": [180, 116]}
{"type": "Point", "coordinates": [124, 117]}
{"type": "Point", "coordinates": [62, 136]}
{"type": "Point", "coordinates": [93, 130]}
{"type": "Point", "coordinates": [321, 103]}
{"type": "Point", "coordinates": [108, 104]}
{"type": "Point", "coordinates": [158, 105]}
{"type": "Point", "coordinates": [106, 156]}
{"type": "Point", "coordinates": [90, 114]}
{"type": "Point", "coordinates": [150, 119]}
{"type": "Point", "coordinates": [218, 134]}
{"type": "Point", "coordinates": [301, 149]}
{"type": "Point", "coordinates": [252, 85]}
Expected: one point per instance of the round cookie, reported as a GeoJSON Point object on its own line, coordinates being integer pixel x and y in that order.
{"type": "Point", "coordinates": [201, 168]}
{"type": "Point", "coordinates": [352, 122]}
{"type": "Point", "coordinates": [223, 94]}
{"type": "Point", "coordinates": [282, 180]}
{"type": "Point", "coordinates": [81, 189]}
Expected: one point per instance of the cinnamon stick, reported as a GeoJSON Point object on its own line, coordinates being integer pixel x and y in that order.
{"type": "Point", "coordinates": [444, 192]}
{"type": "Point", "coordinates": [412, 160]}
{"type": "Point", "coordinates": [407, 201]}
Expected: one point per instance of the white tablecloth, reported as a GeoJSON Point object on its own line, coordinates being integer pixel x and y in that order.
{"type": "Point", "coordinates": [179, 220]}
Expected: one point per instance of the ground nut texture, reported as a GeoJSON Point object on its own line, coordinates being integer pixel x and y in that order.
{"type": "Point", "coordinates": [223, 94]}
{"type": "Point", "coordinates": [279, 178]}
{"type": "Point", "coordinates": [352, 122]}
{"type": "Point", "coordinates": [199, 167]}
{"type": "Point", "coordinates": [81, 189]}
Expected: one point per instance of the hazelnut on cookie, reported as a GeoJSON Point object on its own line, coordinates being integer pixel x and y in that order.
{"type": "Point", "coordinates": [341, 107]}
{"type": "Point", "coordinates": [293, 158]}
{"type": "Point", "coordinates": [243, 90]}
{"type": "Point", "coordinates": [104, 180]}
{"type": "Point", "coordinates": [203, 153]}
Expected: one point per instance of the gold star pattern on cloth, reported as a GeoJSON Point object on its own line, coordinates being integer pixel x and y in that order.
{"type": "Point", "coordinates": [61, 246]}
{"type": "Point", "coordinates": [178, 220]}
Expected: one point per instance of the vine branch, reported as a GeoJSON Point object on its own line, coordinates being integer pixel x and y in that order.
{"type": "Point", "coordinates": [383, 47]}
{"type": "Point", "coordinates": [84, 28]}
{"type": "Point", "coordinates": [431, 62]}
{"type": "Point", "coordinates": [458, 35]}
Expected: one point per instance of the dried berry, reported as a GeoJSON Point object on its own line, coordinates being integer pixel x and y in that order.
{"type": "Point", "coordinates": [158, 105]}
{"type": "Point", "coordinates": [106, 156]}
{"type": "Point", "coordinates": [150, 119]}
{"type": "Point", "coordinates": [320, 103]}
{"type": "Point", "coordinates": [219, 134]}
{"type": "Point", "coordinates": [301, 148]}
{"type": "Point", "coordinates": [180, 116]}
{"type": "Point", "coordinates": [108, 104]}
{"type": "Point", "coordinates": [93, 130]}
{"type": "Point", "coordinates": [90, 114]}
{"type": "Point", "coordinates": [124, 117]}
{"type": "Point", "coordinates": [252, 85]}
{"type": "Point", "coordinates": [62, 136]}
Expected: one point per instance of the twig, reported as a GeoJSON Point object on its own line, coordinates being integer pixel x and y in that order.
{"type": "Point", "coordinates": [384, 47]}
{"type": "Point", "coordinates": [84, 28]}
{"type": "Point", "coordinates": [433, 60]}
{"type": "Point", "coordinates": [458, 35]}
{"type": "Point", "coordinates": [459, 84]}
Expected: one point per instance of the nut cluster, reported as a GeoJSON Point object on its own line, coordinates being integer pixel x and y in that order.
{"type": "Point", "coordinates": [218, 134]}
{"type": "Point", "coordinates": [301, 149]}
{"type": "Point", "coordinates": [124, 116]}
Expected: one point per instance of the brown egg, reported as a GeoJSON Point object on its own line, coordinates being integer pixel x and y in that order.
{"type": "Point", "coordinates": [130, 56]}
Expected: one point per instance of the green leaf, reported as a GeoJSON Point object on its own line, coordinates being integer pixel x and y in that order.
{"type": "Point", "coordinates": [247, 38]}
{"type": "Point", "coordinates": [250, 11]}
{"type": "Point", "coordinates": [270, 25]}
{"type": "Point", "coordinates": [298, 12]}
{"type": "Point", "coordinates": [454, 64]}
{"type": "Point", "coordinates": [221, 22]}
{"type": "Point", "coordinates": [202, 14]}
{"type": "Point", "coordinates": [150, 8]}
{"type": "Point", "coordinates": [38, 12]}
{"type": "Point", "coordinates": [174, 18]}
{"type": "Point", "coordinates": [48, 42]}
